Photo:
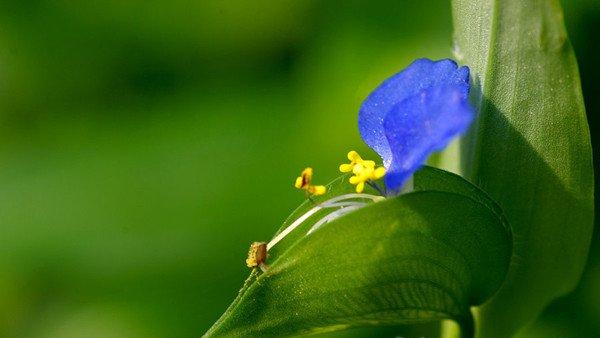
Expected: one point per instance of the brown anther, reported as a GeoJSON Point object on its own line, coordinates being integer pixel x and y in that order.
{"type": "Point", "coordinates": [257, 255]}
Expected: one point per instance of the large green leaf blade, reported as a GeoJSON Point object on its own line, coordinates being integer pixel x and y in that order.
{"type": "Point", "coordinates": [404, 260]}
{"type": "Point", "coordinates": [530, 150]}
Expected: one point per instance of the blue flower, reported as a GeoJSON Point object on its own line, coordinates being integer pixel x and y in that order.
{"type": "Point", "coordinates": [414, 113]}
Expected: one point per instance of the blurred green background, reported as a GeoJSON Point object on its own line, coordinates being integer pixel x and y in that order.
{"type": "Point", "coordinates": [145, 144]}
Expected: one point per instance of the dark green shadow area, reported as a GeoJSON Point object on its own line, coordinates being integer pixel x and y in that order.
{"type": "Point", "coordinates": [552, 225]}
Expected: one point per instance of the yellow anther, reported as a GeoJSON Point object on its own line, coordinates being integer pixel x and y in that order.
{"type": "Point", "coordinates": [378, 173]}
{"type": "Point", "coordinates": [298, 183]}
{"type": "Point", "coordinates": [303, 182]}
{"type": "Point", "coordinates": [316, 190]}
{"type": "Point", "coordinates": [354, 156]}
{"type": "Point", "coordinates": [363, 170]}
{"type": "Point", "coordinates": [346, 167]}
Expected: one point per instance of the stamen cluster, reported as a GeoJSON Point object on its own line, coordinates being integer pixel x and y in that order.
{"type": "Point", "coordinates": [364, 171]}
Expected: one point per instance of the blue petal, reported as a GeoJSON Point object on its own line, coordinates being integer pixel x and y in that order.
{"type": "Point", "coordinates": [422, 124]}
{"type": "Point", "coordinates": [418, 76]}
{"type": "Point", "coordinates": [414, 113]}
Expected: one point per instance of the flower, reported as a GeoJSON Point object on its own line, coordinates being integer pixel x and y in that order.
{"type": "Point", "coordinates": [364, 170]}
{"type": "Point", "coordinates": [303, 182]}
{"type": "Point", "coordinates": [414, 113]}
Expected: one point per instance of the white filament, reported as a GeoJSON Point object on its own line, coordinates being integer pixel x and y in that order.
{"type": "Point", "coordinates": [292, 226]}
{"type": "Point", "coordinates": [336, 214]}
{"type": "Point", "coordinates": [374, 198]}
{"type": "Point", "coordinates": [331, 203]}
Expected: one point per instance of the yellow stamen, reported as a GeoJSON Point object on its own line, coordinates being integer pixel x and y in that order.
{"type": "Point", "coordinates": [379, 173]}
{"type": "Point", "coordinates": [318, 190]}
{"type": "Point", "coordinates": [303, 182]}
{"type": "Point", "coordinates": [355, 159]}
{"type": "Point", "coordinates": [363, 170]}
{"type": "Point", "coordinates": [346, 167]}
{"type": "Point", "coordinates": [360, 187]}
{"type": "Point", "coordinates": [298, 183]}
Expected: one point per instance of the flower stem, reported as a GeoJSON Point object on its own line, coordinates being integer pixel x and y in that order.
{"type": "Point", "coordinates": [376, 187]}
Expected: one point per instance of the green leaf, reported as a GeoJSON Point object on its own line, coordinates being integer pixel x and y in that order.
{"type": "Point", "coordinates": [406, 259]}
{"type": "Point", "coordinates": [429, 178]}
{"type": "Point", "coordinates": [530, 150]}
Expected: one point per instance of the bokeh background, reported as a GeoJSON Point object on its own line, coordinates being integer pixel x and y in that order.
{"type": "Point", "coordinates": [144, 144]}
